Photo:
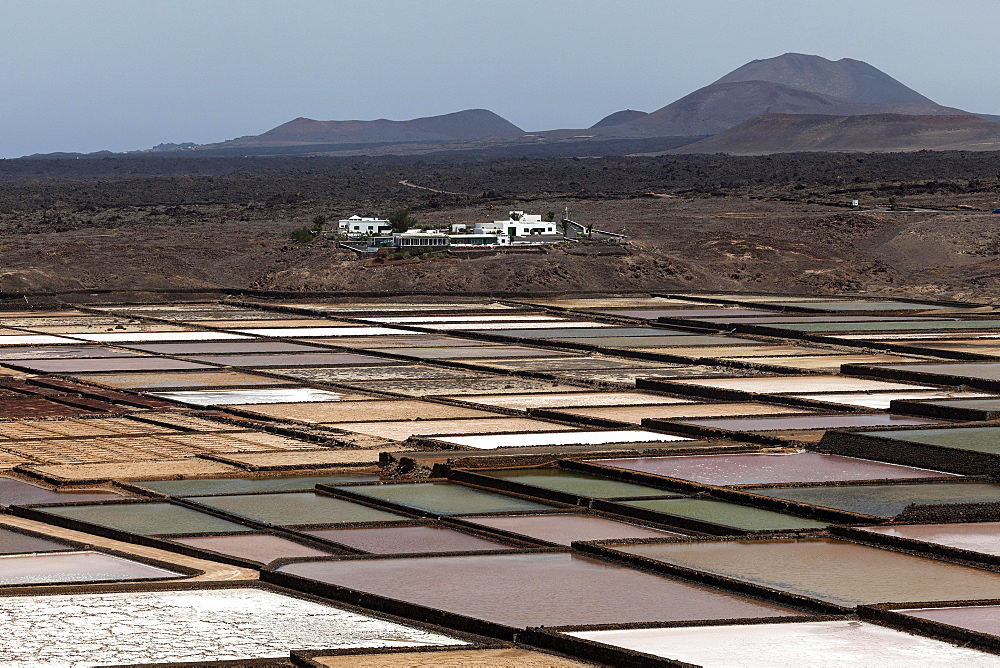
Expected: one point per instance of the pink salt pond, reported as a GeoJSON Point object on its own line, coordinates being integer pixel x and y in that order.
{"type": "Point", "coordinates": [408, 539]}
{"type": "Point", "coordinates": [977, 618]}
{"type": "Point", "coordinates": [261, 548]}
{"type": "Point", "coordinates": [535, 589]}
{"type": "Point", "coordinates": [766, 468]}
{"type": "Point", "coordinates": [982, 537]}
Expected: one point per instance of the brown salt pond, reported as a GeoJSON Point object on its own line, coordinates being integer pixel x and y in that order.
{"type": "Point", "coordinates": [400, 431]}
{"type": "Point", "coordinates": [66, 567]}
{"type": "Point", "coordinates": [471, 352]}
{"type": "Point", "coordinates": [766, 468]}
{"type": "Point", "coordinates": [665, 372]}
{"type": "Point", "coordinates": [290, 359]}
{"type": "Point", "coordinates": [766, 350]}
{"type": "Point", "coordinates": [376, 411]}
{"type": "Point", "coordinates": [834, 571]}
{"type": "Point", "coordinates": [376, 373]}
{"type": "Point", "coordinates": [653, 314]}
{"type": "Point", "coordinates": [223, 348]}
{"type": "Point", "coordinates": [983, 537]}
{"type": "Point", "coordinates": [590, 362]}
{"type": "Point", "coordinates": [811, 422]}
{"type": "Point", "coordinates": [92, 365]}
{"type": "Point", "coordinates": [180, 380]}
{"type": "Point", "coordinates": [522, 590]}
{"type": "Point", "coordinates": [465, 658]}
{"type": "Point", "coordinates": [262, 548]}
{"type": "Point", "coordinates": [408, 539]}
{"type": "Point", "coordinates": [978, 618]}
{"type": "Point", "coordinates": [63, 352]}
{"type": "Point", "coordinates": [461, 386]}
{"type": "Point", "coordinates": [565, 528]}
{"type": "Point", "coordinates": [30, 407]}
{"type": "Point", "coordinates": [636, 414]}
{"type": "Point", "coordinates": [828, 363]}
{"type": "Point", "coordinates": [522, 402]}
{"type": "Point", "coordinates": [408, 341]}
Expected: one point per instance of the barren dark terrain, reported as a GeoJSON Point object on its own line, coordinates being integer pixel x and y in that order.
{"type": "Point", "coordinates": [777, 223]}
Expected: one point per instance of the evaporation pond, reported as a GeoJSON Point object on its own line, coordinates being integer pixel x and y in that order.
{"type": "Point", "coordinates": [811, 422]}
{"type": "Point", "coordinates": [980, 370]}
{"type": "Point", "coordinates": [452, 658]}
{"type": "Point", "coordinates": [887, 500]}
{"type": "Point", "coordinates": [63, 352]}
{"type": "Point", "coordinates": [761, 468]}
{"type": "Point", "coordinates": [15, 542]}
{"type": "Point", "coordinates": [243, 397]}
{"type": "Point", "coordinates": [286, 508]}
{"type": "Point", "coordinates": [978, 618]}
{"type": "Point", "coordinates": [727, 514]}
{"type": "Point", "coordinates": [262, 548]}
{"type": "Point", "coordinates": [830, 570]}
{"type": "Point", "coordinates": [15, 492]}
{"type": "Point", "coordinates": [794, 645]}
{"type": "Point", "coordinates": [229, 347]}
{"type": "Point", "coordinates": [981, 537]}
{"type": "Point", "coordinates": [492, 441]}
{"type": "Point", "coordinates": [975, 439]}
{"type": "Point", "coordinates": [199, 379]}
{"type": "Point", "coordinates": [60, 567]}
{"type": "Point", "coordinates": [238, 624]}
{"type": "Point", "coordinates": [895, 325]}
{"type": "Point", "coordinates": [573, 482]}
{"type": "Point", "coordinates": [110, 364]}
{"type": "Point", "coordinates": [291, 359]}
{"type": "Point", "coordinates": [205, 486]}
{"type": "Point", "coordinates": [565, 528]}
{"type": "Point", "coordinates": [444, 498]}
{"type": "Point", "coordinates": [408, 539]}
{"type": "Point", "coordinates": [148, 519]}
{"type": "Point", "coordinates": [522, 590]}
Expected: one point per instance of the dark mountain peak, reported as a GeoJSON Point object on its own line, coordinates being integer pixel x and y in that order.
{"type": "Point", "coordinates": [720, 106]}
{"type": "Point", "coordinates": [470, 124]}
{"type": "Point", "coordinates": [847, 79]}
{"type": "Point", "coordinates": [618, 118]}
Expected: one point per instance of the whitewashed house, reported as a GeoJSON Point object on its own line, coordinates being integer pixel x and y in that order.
{"type": "Point", "coordinates": [518, 224]}
{"type": "Point", "coordinates": [356, 226]}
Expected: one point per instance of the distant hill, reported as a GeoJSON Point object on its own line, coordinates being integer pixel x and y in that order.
{"type": "Point", "coordinates": [619, 117]}
{"type": "Point", "coordinates": [471, 124]}
{"type": "Point", "coordinates": [772, 88]}
{"type": "Point", "coordinates": [784, 133]}
{"type": "Point", "coordinates": [845, 79]}
{"type": "Point", "coordinates": [790, 84]}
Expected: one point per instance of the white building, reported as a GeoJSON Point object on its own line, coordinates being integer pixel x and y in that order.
{"type": "Point", "coordinates": [356, 226]}
{"type": "Point", "coordinates": [421, 238]}
{"type": "Point", "coordinates": [518, 224]}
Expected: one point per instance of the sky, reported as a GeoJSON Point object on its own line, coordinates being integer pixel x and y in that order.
{"type": "Point", "coordinates": [89, 75]}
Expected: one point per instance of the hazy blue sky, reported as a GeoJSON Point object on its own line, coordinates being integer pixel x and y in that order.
{"type": "Point", "coordinates": [85, 75]}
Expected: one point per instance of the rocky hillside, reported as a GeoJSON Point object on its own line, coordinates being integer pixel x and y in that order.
{"type": "Point", "coordinates": [785, 133]}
